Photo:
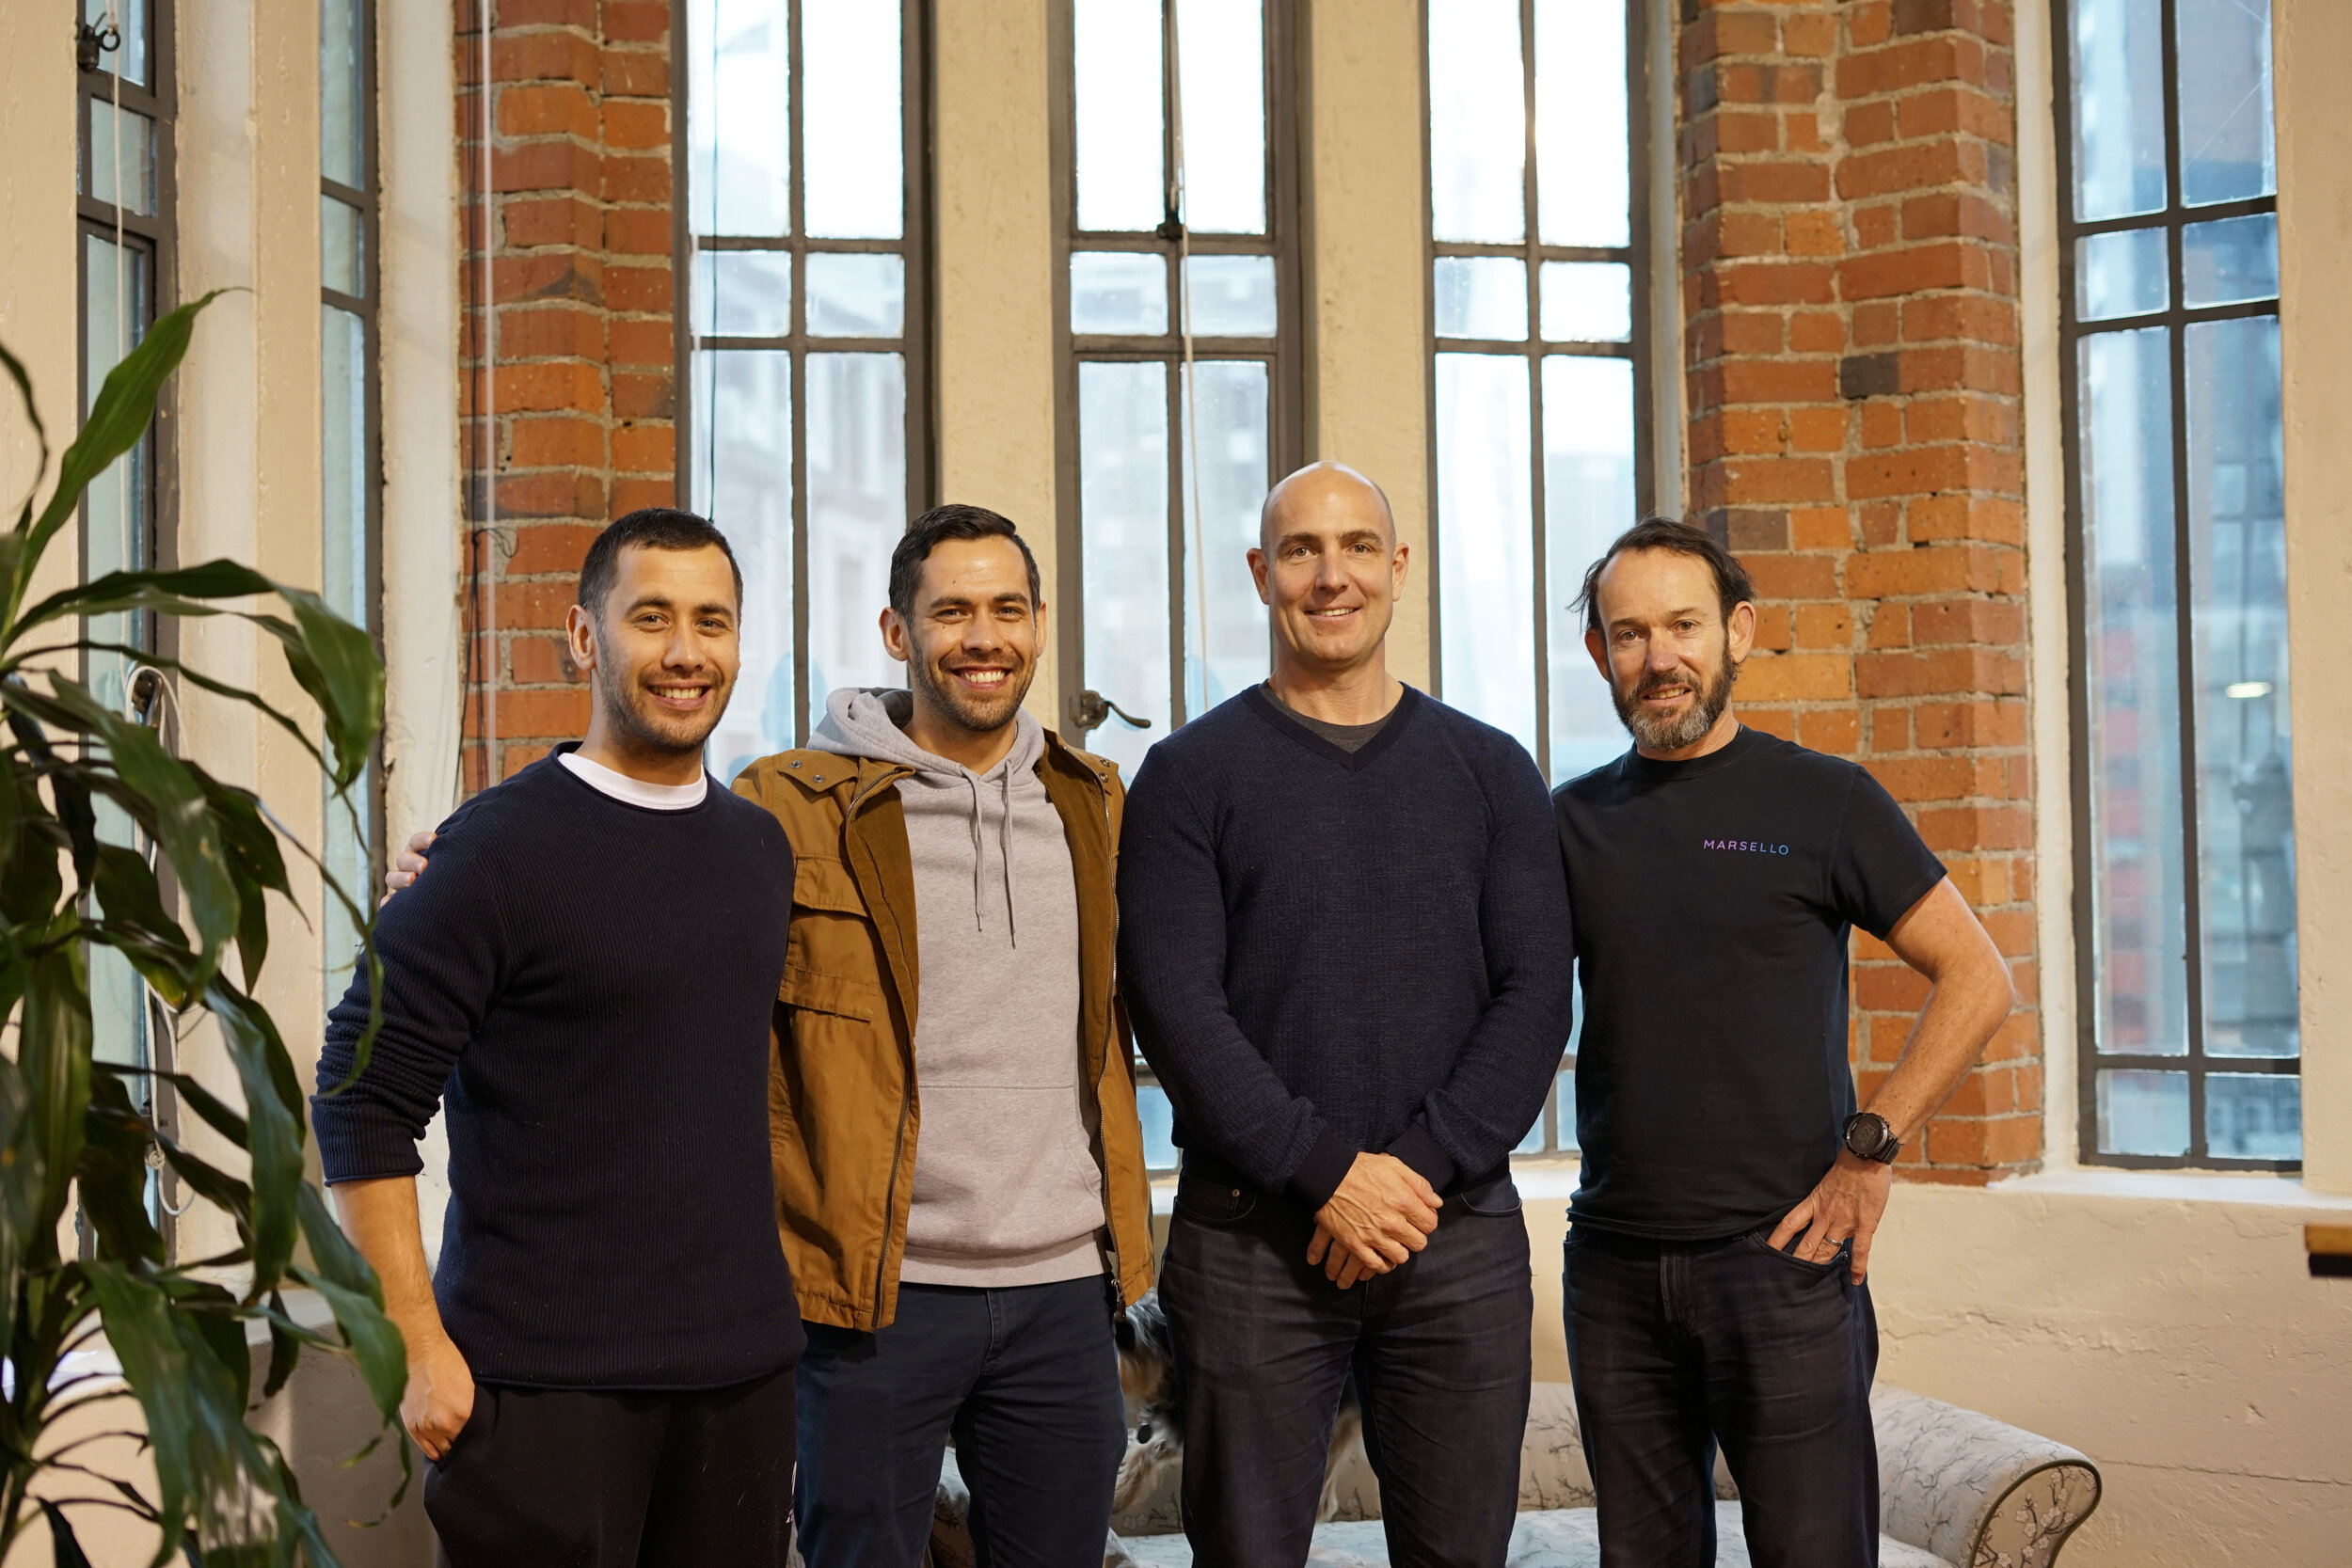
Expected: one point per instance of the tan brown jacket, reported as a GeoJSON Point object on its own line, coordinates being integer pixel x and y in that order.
{"type": "Point", "coordinates": [842, 1110]}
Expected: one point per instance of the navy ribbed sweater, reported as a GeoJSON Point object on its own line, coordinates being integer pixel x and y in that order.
{"type": "Point", "coordinates": [1327, 954]}
{"type": "Point", "coordinates": [588, 983]}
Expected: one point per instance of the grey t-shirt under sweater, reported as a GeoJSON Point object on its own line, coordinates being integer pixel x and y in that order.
{"type": "Point", "coordinates": [1350, 738]}
{"type": "Point", "coordinates": [1007, 1190]}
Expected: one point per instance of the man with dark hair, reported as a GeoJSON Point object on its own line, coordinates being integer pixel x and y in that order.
{"type": "Point", "coordinates": [960, 1167]}
{"type": "Point", "coordinates": [1719, 1235]}
{"type": "Point", "coordinates": [1344, 940]}
{"type": "Point", "coordinates": [959, 1170]}
{"type": "Point", "coordinates": [601, 1368]}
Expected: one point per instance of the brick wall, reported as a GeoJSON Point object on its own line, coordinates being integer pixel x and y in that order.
{"type": "Point", "coordinates": [582, 394]}
{"type": "Point", "coordinates": [1849, 292]}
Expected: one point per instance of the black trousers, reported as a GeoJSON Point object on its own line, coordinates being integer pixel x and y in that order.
{"type": "Point", "coordinates": [1440, 1348]}
{"type": "Point", "coordinates": [561, 1478]}
{"type": "Point", "coordinates": [1675, 1347]}
{"type": "Point", "coordinates": [1025, 1379]}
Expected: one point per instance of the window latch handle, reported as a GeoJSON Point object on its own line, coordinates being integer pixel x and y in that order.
{"type": "Point", "coordinates": [1091, 710]}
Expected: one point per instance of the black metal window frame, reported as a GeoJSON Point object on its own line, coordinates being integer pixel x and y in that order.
{"type": "Point", "coordinates": [1558, 1120]}
{"type": "Point", "coordinates": [913, 344]}
{"type": "Point", "coordinates": [1535, 349]}
{"type": "Point", "coordinates": [2172, 221]}
{"type": "Point", "coordinates": [1283, 354]}
{"type": "Point", "coordinates": [365, 307]}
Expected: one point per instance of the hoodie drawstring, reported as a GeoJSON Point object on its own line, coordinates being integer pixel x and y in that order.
{"type": "Point", "coordinates": [1004, 851]}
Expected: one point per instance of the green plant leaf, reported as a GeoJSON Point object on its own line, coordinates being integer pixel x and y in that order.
{"type": "Point", "coordinates": [285, 1348]}
{"type": "Point", "coordinates": [67, 783]}
{"type": "Point", "coordinates": [111, 1177]}
{"type": "Point", "coordinates": [40, 432]}
{"type": "Point", "coordinates": [258, 864]}
{"type": "Point", "coordinates": [375, 1343]}
{"type": "Point", "coordinates": [65, 1547]}
{"type": "Point", "coordinates": [21, 1185]}
{"type": "Point", "coordinates": [119, 418]}
{"type": "Point", "coordinates": [184, 827]}
{"type": "Point", "coordinates": [127, 893]}
{"type": "Point", "coordinates": [346, 680]}
{"type": "Point", "coordinates": [140, 1332]}
{"type": "Point", "coordinates": [53, 1054]}
{"type": "Point", "coordinates": [273, 1108]}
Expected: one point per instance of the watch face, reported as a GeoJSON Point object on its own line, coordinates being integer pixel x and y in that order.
{"type": "Point", "coordinates": [1867, 1135]}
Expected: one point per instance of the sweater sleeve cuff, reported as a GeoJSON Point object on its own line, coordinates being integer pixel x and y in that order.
{"type": "Point", "coordinates": [355, 1146]}
{"type": "Point", "coordinates": [1417, 1148]}
{"type": "Point", "coordinates": [1321, 1172]}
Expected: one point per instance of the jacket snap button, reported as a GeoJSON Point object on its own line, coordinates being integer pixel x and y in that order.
{"type": "Point", "coordinates": [794, 763]}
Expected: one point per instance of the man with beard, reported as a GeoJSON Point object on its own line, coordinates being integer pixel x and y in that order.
{"type": "Point", "coordinates": [1719, 1235]}
{"type": "Point", "coordinates": [1345, 941]}
{"type": "Point", "coordinates": [959, 1167]}
{"type": "Point", "coordinates": [601, 1368]}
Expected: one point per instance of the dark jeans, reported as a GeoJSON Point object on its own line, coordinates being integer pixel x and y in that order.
{"type": "Point", "coordinates": [1675, 1347]}
{"type": "Point", "coordinates": [1264, 1344]}
{"type": "Point", "coordinates": [563, 1477]}
{"type": "Point", "coordinates": [1027, 1381]}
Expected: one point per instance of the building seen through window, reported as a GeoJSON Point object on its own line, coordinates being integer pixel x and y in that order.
{"type": "Point", "coordinates": [2184, 814]}
{"type": "Point", "coordinates": [805, 395]}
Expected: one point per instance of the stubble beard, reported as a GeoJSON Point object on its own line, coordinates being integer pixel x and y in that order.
{"type": "Point", "coordinates": [980, 718]}
{"type": "Point", "coordinates": [629, 713]}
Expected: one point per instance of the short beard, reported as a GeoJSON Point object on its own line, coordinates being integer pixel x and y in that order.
{"type": "Point", "coordinates": [1671, 734]}
{"type": "Point", "coordinates": [617, 693]}
{"type": "Point", "coordinates": [980, 718]}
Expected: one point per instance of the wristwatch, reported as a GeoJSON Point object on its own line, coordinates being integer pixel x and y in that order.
{"type": "Point", "coordinates": [1869, 1136]}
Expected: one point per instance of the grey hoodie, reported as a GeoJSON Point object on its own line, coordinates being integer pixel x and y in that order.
{"type": "Point", "coordinates": [1007, 1190]}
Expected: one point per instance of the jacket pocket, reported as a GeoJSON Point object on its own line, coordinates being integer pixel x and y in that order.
{"type": "Point", "coordinates": [837, 994]}
{"type": "Point", "coordinates": [826, 884]}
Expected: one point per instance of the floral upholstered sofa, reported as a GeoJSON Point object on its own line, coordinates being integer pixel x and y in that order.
{"type": "Point", "coordinates": [1957, 1489]}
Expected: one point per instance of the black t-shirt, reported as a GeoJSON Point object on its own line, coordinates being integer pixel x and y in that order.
{"type": "Point", "coordinates": [1713, 900]}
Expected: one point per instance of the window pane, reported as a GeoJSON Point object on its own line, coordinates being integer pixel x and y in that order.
{"type": "Point", "coordinates": [2230, 260]}
{"type": "Point", "coordinates": [2122, 273]}
{"type": "Point", "coordinates": [1159, 1127]}
{"type": "Point", "coordinates": [1231, 405]}
{"type": "Point", "coordinates": [856, 179]}
{"type": "Point", "coordinates": [1589, 302]}
{"type": "Point", "coordinates": [132, 16]}
{"type": "Point", "coordinates": [342, 248]}
{"type": "Point", "coordinates": [857, 508]}
{"type": "Point", "coordinates": [1583, 155]}
{"type": "Point", "coordinates": [743, 480]}
{"type": "Point", "coordinates": [1485, 540]}
{"type": "Point", "coordinates": [743, 294]}
{"type": "Point", "coordinates": [343, 131]}
{"type": "Point", "coordinates": [1123, 292]}
{"type": "Point", "coordinates": [1222, 77]}
{"type": "Point", "coordinates": [2254, 1116]}
{"type": "Point", "coordinates": [1564, 1092]}
{"type": "Point", "coordinates": [1114, 47]}
{"type": "Point", "coordinates": [1231, 296]}
{"type": "Point", "coordinates": [2132, 655]}
{"type": "Point", "coordinates": [2229, 147]}
{"type": "Point", "coordinates": [1477, 121]}
{"type": "Point", "coordinates": [1122, 512]}
{"type": "Point", "coordinates": [740, 117]}
{"type": "Point", "coordinates": [343, 461]}
{"type": "Point", "coordinates": [1480, 296]}
{"type": "Point", "coordinates": [124, 164]}
{"type": "Point", "coordinates": [115, 508]}
{"type": "Point", "coordinates": [2143, 1113]}
{"type": "Point", "coordinates": [1588, 500]}
{"type": "Point", "coordinates": [856, 295]}
{"type": "Point", "coordinates": [2238, 607]}
{"type": "Point", "coordinates": [2119, 109]}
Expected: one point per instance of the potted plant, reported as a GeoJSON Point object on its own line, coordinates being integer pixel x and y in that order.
{"type": "Point", "coordinates": [185, 905]}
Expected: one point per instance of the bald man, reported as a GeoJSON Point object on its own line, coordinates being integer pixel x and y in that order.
{"type": "Point", "coordinates": [1344, 943]}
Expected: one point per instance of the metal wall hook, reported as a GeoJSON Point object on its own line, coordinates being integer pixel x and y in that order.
{"type": "Point", "coordinates": [89, 42]}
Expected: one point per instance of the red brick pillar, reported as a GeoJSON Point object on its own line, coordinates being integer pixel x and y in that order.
{"type": "Point", "coordinates": [581, 395]}
{"type": "Point", "coordinates": [1849, 294]}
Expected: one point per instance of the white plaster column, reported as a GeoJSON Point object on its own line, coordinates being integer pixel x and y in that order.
{"type": "Point", "coordinates": [2312, 52]}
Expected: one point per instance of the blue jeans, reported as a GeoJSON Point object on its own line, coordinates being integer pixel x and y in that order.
{"type": "Point", "coordinates": [1675, 1347]}
{"type": "Point", "coordinates": [1440, 1348]}
{"type": "Point", "coordinates": [1027, 1381]}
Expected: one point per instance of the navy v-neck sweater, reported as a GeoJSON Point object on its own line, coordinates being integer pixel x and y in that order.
{"type": "Point", "coordinates": [586, 984]}
{"type": "Point", "coordinates": [1328, 953]}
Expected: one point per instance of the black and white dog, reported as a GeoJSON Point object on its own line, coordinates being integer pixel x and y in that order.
{"type": "Point", "coordinates": [1146, 1374]}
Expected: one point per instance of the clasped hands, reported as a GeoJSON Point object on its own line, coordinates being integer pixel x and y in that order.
{"type": "Point", "coordinates": [1382, 1215]}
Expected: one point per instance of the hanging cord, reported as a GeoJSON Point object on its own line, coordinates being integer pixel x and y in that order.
{"type": "Point", "coordinates": [482, 542]}
{"type": "Point", "coordinates": [1178, 217]}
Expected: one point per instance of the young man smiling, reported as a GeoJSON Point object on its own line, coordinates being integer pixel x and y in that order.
{"type": "Point", "coordinates": [959, 1165]}
{"type": "Point", "coordinates": [1721, 1228]}
{"type": "Point", "coordinates": [601, 1368]}
{"type": "Point", "coordinates": [1344, 938]}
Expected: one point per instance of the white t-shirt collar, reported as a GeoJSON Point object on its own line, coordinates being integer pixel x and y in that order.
{"type": "Point", "coordinates": [652, 796]}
